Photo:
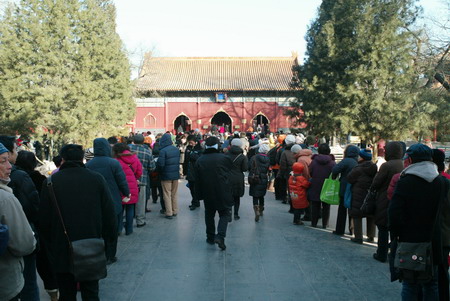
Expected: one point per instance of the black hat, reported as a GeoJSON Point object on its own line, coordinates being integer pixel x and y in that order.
{"type": "Point", "coordinates": [210, 141]}
{"type": "Point", "coordinates": [439, 159]}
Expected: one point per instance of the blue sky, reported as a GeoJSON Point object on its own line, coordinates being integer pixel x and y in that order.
{"type": "Point", "coordinates": [222, 28]}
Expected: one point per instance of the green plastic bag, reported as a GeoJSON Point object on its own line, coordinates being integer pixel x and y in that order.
{"type": "Point", "coordinates": [330, 191]}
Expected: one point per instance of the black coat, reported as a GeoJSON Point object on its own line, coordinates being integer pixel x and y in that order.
{"type": "Point", "coordinates": [392, 166]}
{"type": "Point", "coordinates": [192, 157]}
{"type": "Point", "coordinates": [212, 180]}
{"type": "Point", "coordinates": [86, 207]}
{"type": "Point", "coordinates": [25, 191]}
{"type": "Point", "coordinates": [361, 178]}
{"type": "Point", "coordinates": [260, 164]}
{"type": "Point", "coordinates": [240, 165]}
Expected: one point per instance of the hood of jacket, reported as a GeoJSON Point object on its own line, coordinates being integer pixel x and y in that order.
{"type": "Point", "coordinates": [322, 159]}
{"type": "Point", "coordinates": [5, 187]}
{"type": "Point", "coordinates": [298, 168]}
{"type": "Point", "coordinates": [393, 150]}
{"type": "Point", "coordinates": [351, 151]}
{"type": "Point", "coordinates": [236, 150]}
{"type": "Point", "coordinates": [102, 147]}
{"type": "Point", "coordinates": [426, 170]}
{"type": "Point", "coordinates": [127, 157]}
{"type": "Point", "coordinates": [305, 152]}
{"type": "Point", "coordinates": [166, 140]}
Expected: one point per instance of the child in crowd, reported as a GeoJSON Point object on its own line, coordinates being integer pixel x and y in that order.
{"type": "Point", "coordinates": [298, 185]}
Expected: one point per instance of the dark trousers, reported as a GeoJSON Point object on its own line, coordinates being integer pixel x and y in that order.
{"type": "Point", "coordinates": [258, 201]}
{"type": "Point", "coordinates": [443, 284]}
{"type": "Point", "coordinates": [283, 189]}
{"type": "Point", "coordinates": [158, 190]}
{"type": "Point", "coordinates": [298, 214]}
{"type": "Point", "coordinates": [383, 242]}
{"type": "Point", "coordinates": [30, 291]}
{"type": "Point", "coordinates": [111, 244]}
{"type": "Point", "coordinates": [341, 217]}
{"type": "Point", "coordinates": [68, 289]}
{"type": "Point", "coordinates": [276, 185]}
{"type": "Point", "coordinates": [195, 201]}
{"type": "Point", "coordinates": [44, 268]}
{"type": "Point", "coordinates": [224, 219]}
{"type": "Point", "coordinates": [237, 204]}
{"type": "Point", "coordinates": [316, 207]}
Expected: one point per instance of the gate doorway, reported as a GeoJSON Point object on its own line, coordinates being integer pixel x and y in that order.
{"type": "Point", "coordinates": [221, 119]}
{"type": "Point", "coordinates": [182, 124]}
{"type": "Point", "coordinates": [261, 123]}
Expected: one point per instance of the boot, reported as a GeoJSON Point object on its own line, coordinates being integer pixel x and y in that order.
{"type": "Point", "coordinates": [256, 209]}
{"type": "Point", "coordinates": [261, 210]}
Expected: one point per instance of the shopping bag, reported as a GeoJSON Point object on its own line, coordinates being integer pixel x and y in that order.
{"type": "Point", "coordinates": [330, 191]}
{"type": "Point", "coordinates": [348, 196]}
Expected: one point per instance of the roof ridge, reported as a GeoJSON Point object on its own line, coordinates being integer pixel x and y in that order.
{"type": "Point", "coordinates": [225, 58]}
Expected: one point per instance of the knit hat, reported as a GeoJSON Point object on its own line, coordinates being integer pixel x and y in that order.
{"type": "Point", "coordinates": [419, 151]}
{"type": "Point", "coordinates": [296, 149]}
{"type": "Point", "coordinates": [138, 139]}
{"type": "Point", "coordinates": [264, 148]}
{"type": "Point", "coordinates": [290, 139]}
{"type": "Point", "coordinates": [439, 159]}
{"type": "Point", "coordinates": [3, 149]}
{"type": "Point", "coordinates": [212, 142]}
{"type": "Point", "coordinates": [237, 142]}
{"type": "Point", "coordinates": [366, 154]}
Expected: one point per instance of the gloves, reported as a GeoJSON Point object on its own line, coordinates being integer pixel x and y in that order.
{"type": "Point", "coordinates": [126, 199]}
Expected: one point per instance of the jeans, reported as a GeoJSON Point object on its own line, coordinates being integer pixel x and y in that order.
{"type": "Point", "coordinates": [429, 290]}
{"type": "Point", "coordinates": [129, 214]}
{"type": "Point", "coordinates": [258, 201]}
{"type": "Point", "coordinates": [224, 219]}
{"type": "Point", "coordinates": [30, 291]}
{"type": "Point", "coordinates": [68, 289]}
{"type": "Point", "coordinates": [140, 205]}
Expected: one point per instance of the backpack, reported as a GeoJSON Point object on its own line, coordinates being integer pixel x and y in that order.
{"type": "Point", "coordinates": [272, 154]}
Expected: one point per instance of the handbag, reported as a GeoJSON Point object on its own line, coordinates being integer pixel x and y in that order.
{"type": "Point", "coordinates": [348, 196]}
{"type": "Point", "coordinates": [4, 238]}
{"type": "Point", "coordinates": [87, 256]}
{"type": "Point", "coordinates": [254, 178]}
{"type": "Point", "coordinates": [369, 204]}
{"type": "Point", "coordinates": [415, 259]}
{"type": "Point", "coordinates": [330, 191]}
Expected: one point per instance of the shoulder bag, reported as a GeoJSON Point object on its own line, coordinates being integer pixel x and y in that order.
{"type": "Point", "coordinates": [369, 205]}
{"type": "Point", "coordinates": [87, 256]}
{"type": "Point", "coordinates": [415, 259]}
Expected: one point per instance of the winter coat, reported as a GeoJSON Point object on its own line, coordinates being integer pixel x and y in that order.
{"type": "Point", "coordinates": [132, 168]}
{"type": "Point", "coordinates": [260, 164]}
{"type": "Point", "coordinates": [445, 219]}
{"type": "Point", "coordinates": [240, 165]}
{"type": "Point", "coordinates": [25, 191]}
{"type": "Point", "coordinates": [305, 157]}
{"type": "Point", "coordinates": [287, 159]}
{"type": "Point", "coordinates": [111, 170]}
{"type": "Point", "coordinates": [412, 210]}
{"type": "Point", "coordinates": [319, 170]}
{"type": "Point", "coordinates": [86, 207]}
{"type": "Point", "coordinates": [21, 243]}
{"type": "Point", "coordinates": [212, 180]}
{"type": "Point", "coordinates": [345, 166]}
{"type": "Point", "coordinates": [298, 186]}
{"type": "Point", "coordinates": [361, 178]}
{"type": "Point", "coordinates": [194, 154]}
{"type": "Point", "coordinates": [392, 166]}
{"type": "Point", "coordinates": [168, 163]}
{"type": "Point", "coordinates": [144, 154]}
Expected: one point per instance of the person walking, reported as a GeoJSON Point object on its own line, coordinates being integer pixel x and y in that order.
{"type": "Point", "coordinates": [114, 175]}
{"type": "Point", "coordinates": [259, 166]}
{"type": "Point", "coordinates": [212, 180]}
{"type": "Point", "coordinates": [87, 211]}
{"type": "Point", "coordinates": [343, 168]}
{"type": "Point", "coordinates": [168, 166]}
{"type": "Point", "coordinates": [361, 178]}
{"type": "Point", "coordinates": [193, 152]}
{"type": "Point", "coordinates": [321, 166]}
{"type": "Point", "coordinates": [132, 169]}
{"type": "Point", "coordinates": [240, 165]}
{"type": "Point", "coordinates": [393, 165]}
{"type": "Point", "coordinates": [21, 238]}
{"type": "Point", "coordinates": [412, 214]}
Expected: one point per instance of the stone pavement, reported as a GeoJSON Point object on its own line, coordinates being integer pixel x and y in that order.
{"type": "Point", "coordinates": [270, 260]}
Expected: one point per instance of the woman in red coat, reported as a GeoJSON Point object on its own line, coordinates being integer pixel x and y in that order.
{"type": "Point", "coordinates": [132, 168]}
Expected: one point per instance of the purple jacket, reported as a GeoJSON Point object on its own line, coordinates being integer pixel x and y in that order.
{"type": "Point", "coordinates": [319, 170]}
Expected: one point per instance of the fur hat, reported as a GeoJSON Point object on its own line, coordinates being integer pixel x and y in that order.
{"type": "Point", "coordinates": [296, 149]}
{"type": "Point", "coordinates": [290, 139]}
{"type": "Point", "coordinates": [264, 148]}
{"type": "Point", "coordinates": [237, 142]}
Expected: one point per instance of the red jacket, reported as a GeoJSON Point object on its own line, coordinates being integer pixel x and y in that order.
{"type": "Point", "coordinates": [132, 168]}
{"type": "Point", "coordinates": [298, 185]}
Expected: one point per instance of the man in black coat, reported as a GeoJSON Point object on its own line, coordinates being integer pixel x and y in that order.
{"type": "Point", "coordinates": [413, 212]}
{"type": "Point", "coordinates": [193, 151]}
{"type": "Point", "coordinates": [87, 210]}
{"type": "Point", "coordinates": [212, 172]}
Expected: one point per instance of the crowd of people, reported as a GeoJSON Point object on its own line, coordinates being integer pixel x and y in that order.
{"type": "Point", "coordinates": [104, 192]}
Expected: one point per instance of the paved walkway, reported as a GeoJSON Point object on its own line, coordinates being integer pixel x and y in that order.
{"type": "Point", "coordinates": [270, 260]}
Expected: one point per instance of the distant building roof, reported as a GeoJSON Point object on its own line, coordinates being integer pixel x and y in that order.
{"type": "Point", "coordinates": [216, 73]}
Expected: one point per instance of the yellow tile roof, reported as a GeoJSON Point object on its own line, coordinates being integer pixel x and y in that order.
{"type": "Point", "coordinates": [216, 74]}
